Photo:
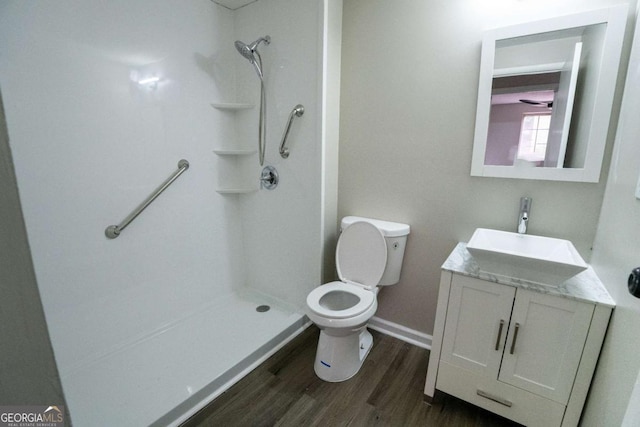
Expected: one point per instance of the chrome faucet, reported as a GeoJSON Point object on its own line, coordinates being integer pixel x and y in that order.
{"type": "Point", "coordinates": [523, 216]}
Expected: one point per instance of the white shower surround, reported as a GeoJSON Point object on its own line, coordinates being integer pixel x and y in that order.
{"type": "Point", "coordinates": [276, 223]}
{"type": "Point", "coordinates": [89, 144]}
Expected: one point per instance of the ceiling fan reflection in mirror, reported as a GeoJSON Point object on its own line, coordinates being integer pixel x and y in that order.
{"type": "Point", "coordinates": [546, 104]}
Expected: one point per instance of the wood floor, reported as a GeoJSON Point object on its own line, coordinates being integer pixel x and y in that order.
{"type": "Point", "coordinates": [388, 391]}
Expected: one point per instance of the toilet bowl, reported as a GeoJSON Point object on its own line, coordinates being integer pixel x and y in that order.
{"type": "Point", "coordinates": [341, 305]}
{"type": "Point", "coordinates": [369, 254]}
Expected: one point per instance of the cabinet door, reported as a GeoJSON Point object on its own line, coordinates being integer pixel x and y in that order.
{"type": "Point", "coordinates": [476, 325]}
{"type": "Point", "coordinates": [544, 344]}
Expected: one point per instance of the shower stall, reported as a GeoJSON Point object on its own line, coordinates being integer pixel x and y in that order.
{"type": "Point", "coordinates": [101, 101]}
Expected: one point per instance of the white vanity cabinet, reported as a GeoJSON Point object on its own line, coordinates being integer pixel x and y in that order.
{"type": "Point", "coordinates": [516, 349]}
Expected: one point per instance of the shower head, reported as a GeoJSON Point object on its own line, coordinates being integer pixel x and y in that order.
{"type": "Point", "coordinates": [250, 52]}
{"type": "Point", "coordinates": [244, 50]}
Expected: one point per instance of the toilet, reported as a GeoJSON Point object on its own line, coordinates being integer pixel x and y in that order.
{"type": "Point", "coordinates": [369, 254]}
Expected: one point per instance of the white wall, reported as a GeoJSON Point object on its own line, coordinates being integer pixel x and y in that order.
{"type": "Point", "coordinates": [90, 144]}
{"type": "Point", "coordinates": [616, 251]}
{"type": "Point", "coordinates": [409, 90]}
{"type": "Point", "coordinates": [282, 226]}
{"type": "Point", "coordinates": [590, 60]}
{"type": "Point", "coordinates": [332, 65]}
{"type": "Point", "coordinates": [632, 414]}
{"type": "Point", "coordinates": [532, 51]}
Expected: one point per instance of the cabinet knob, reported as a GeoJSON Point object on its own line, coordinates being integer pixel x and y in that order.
{"type": "Point", "coordinates": [634, 282]}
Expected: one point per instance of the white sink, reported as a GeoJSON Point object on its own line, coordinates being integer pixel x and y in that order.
{"type": "Point", "coordinates": [537, 259]}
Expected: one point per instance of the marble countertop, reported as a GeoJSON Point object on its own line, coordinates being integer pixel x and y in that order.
{"type": "Point", "coordinates": [585, 286]}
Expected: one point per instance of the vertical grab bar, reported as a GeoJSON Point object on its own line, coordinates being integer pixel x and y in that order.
{"type": "Point", "coordinates": [297, 111]}
{"type": "Point", "coordinates": [113, 231]}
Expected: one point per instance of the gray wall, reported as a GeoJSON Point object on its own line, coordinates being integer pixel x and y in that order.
{"type": "Point", "coordinates": [408, 99]}
{"type": "Point", "coordinates": [28, 369]}
{"type": "Point", "coordinates": [616, 251]}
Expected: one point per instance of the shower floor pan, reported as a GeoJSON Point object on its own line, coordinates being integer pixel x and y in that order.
{"type": "Point", "coordinates": [167, 377]}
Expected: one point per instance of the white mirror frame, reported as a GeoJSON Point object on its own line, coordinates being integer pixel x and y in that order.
{"type": "Point", "coordinates": [615, 18]}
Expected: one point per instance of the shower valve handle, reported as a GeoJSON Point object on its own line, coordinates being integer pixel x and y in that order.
{"type": "Point", "coordinates": [269, 178]}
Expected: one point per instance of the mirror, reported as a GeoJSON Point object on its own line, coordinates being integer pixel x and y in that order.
{"type": "Point", "coordinates": [545, 95]}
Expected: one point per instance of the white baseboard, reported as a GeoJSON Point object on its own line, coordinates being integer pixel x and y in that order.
{"type": "Point", "coordinates": [403, 333]}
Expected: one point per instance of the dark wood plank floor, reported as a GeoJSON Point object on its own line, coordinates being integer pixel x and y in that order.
{"type": "Point", "coordinates": [388, 391]}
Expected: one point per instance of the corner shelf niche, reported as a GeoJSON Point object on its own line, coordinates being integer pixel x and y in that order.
{"type": "Point", "coordinates": [235, 175]}
{"type": "Point", "coordinates": [234, 172]}
{"type": "Point", "coordinates": [234, 152]}
{"type": "Point", "coordinates": [236, 190]}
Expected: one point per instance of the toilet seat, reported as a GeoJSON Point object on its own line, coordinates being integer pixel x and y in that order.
{"type": "Point", "coordinates": [361, 255]}
{"type": "Point", "coordinates": [320, 299]}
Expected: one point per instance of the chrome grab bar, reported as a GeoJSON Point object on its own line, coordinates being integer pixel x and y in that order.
{"type": "Point", "coordinates": [297, 111]}
{"type": "Point", "coordinates": [114, 231]}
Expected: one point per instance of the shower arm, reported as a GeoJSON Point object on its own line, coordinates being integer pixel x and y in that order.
{"type": "Point", "coordinates": [297, 111]}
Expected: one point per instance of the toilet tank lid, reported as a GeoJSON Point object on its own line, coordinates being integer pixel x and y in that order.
{"type": "Point", "coordinates": [388, 228]}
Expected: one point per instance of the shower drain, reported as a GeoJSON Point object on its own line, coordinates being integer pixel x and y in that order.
{"type": "Point", "coordinates": [262, 308]}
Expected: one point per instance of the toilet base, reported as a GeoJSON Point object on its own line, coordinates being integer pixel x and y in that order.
{"type": "Point", "coordinates": [339, 358]}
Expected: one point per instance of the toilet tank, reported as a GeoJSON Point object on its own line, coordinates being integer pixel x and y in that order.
{"type": "Point", "coordinates": [395, 234]}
